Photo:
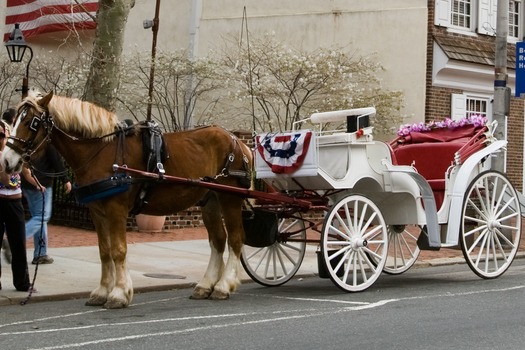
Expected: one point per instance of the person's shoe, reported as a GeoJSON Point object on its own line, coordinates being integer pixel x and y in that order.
{"type": "Point", "coordinates": [7, 251]}
{"type": "Point", "coordinates": [44, 259]}
{"type": "Point", "coordinates": [28, 289]}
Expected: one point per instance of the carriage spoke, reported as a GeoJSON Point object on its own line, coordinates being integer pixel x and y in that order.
{"type": "Point", "coordinates": [278, 263]}
{"type": "Point", "coordinates": [491, 227]}
{"type": "Point", "coordinates": [354, 243]}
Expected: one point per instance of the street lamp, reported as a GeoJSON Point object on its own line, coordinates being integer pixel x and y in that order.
{"type": "Point", "coordinates": [16, 47]}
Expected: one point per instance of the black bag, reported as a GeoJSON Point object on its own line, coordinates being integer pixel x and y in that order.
{"type": "Point", "coordinates": [260, 228]}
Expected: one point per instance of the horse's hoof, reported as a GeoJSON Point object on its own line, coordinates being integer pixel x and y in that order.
{"type": "Point", "coordinates": [200, 293]}
{"type": "Point", "coordinates": [219, 295]}
{"type": "Point", "coordinates": [115, 304]}
{"type": "Point", "coordinates": [95, 302]}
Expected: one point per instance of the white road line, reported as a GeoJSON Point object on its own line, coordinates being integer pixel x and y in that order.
{"type": "Point", "coordinates": [188, 330]}
{"type": "Point", "coordinates": [304, 314]}
{"type": "Point", "coordinates": [83, 313]}
{"type": "Point", "coordinates": [311, 299]}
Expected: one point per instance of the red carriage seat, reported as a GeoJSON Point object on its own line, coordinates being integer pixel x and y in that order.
{"type": "Point", "coordinates": [433, 152]}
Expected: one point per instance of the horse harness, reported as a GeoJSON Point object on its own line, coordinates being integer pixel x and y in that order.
{"type": "Point", "coordinates": [154, 155]}
{"type": "Point", "coordinates": [45, 120]}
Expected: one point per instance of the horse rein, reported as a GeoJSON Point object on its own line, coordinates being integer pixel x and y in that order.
{"type": "Point", "coordinates": [26, 152]}
{"type": "Point", "coordinates": [44, 119]}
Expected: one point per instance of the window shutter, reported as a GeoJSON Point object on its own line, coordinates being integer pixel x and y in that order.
{"type": "Point", "coordinates": [442, 13]}
{"type": "Point", "coordinates": [459, 106]}
{"type": "Point", "coordinates": [487, 14]}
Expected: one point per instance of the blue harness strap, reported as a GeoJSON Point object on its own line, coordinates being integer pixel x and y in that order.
{"type": "Point", "coordinates": [116, 184]}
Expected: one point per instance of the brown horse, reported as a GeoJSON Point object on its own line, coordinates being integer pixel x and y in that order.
{"type": "Point", "coordinates": [91, 141]}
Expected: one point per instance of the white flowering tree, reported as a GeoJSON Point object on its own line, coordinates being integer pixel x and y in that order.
{"type": "Point", "coordinates": [63, 76]}
{"type": "Point", "coordinates": [10, 83]}
{"type": "Point", "coordinates": [183, 89]}
{"type": "Point", "coordinates": [277, 85]}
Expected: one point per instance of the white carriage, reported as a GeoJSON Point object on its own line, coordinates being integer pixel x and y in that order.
{"type": "Point", "coordinates": [380, 204]}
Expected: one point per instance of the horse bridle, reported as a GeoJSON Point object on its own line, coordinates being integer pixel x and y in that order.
{"type": "Point", "coordinates": [43, 120]}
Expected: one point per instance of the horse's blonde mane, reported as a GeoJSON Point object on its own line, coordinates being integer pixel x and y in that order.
{"type": "Point", "coordinates": [88, 119]}
{"type": "Point", "coordinates": [76, 116]}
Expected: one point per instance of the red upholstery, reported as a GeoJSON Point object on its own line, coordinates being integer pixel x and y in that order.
{"type": "Point", "coordinates": [431, 159]}
{"type": "Point", "coordinates": [432, 153]}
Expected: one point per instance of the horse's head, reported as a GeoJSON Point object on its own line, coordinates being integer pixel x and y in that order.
{"type": "Point", "coordinates": [32, 129]}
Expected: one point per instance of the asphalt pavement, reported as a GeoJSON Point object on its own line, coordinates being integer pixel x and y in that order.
{"type": "Point", "coordinates": [154, 264]}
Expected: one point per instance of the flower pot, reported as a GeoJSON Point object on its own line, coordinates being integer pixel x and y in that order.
{"type": "Point", "coordinates": [150, 223]}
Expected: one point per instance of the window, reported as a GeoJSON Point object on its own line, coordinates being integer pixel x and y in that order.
{"type": "Point", "coordinates": [515, 11]}
{"type": "Point", "coordinates": [465, 105]}
{"type": "Point", "coordinates": [479, 16]}
{"type": "Point", "coordinates": [461, 13]}
{"type": "Point", "coordinates": [476, 106]}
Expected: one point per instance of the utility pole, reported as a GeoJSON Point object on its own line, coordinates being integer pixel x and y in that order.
{"type": "Point", "coordinates": [501, 91]}
{"type": "Point", "coordinates": [195, 18]}
{"type": "Point", "coordinates": [154, 25]}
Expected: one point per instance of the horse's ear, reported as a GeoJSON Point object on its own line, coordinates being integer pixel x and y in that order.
{"type": "Point", "coordinates": [44, 101]}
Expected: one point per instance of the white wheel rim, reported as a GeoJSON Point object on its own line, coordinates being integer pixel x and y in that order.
{"type": "Point", "coordinates": [348, 242]}
{"type": "Point", "coordinates": [491, 225]}
{"type": "Point", "coordinates": [278, 263]}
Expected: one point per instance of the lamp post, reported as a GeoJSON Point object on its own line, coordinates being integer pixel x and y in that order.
{"type": "Point", "coordinates": [16, 47]}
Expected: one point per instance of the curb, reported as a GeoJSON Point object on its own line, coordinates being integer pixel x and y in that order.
{"type": "Point", "coordinates": [159, 288]}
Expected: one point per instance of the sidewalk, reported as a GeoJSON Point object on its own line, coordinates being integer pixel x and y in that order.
{"type": "Point", "coordinates": [157, 261]}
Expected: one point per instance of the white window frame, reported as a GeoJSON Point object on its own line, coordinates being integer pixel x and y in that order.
{"type": "Point", "coordinates": [520, 23]}
{"type": "Point", "coordinates": [459, 105]}
{"type": "Point", "coordinates": [483, 18]}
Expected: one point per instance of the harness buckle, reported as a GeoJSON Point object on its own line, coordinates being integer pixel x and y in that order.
{"type": "Point", "coordinates": [160, 167]}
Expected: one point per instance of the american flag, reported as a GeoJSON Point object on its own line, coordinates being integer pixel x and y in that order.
{"type": "Point", "coordinates": [44, 16]}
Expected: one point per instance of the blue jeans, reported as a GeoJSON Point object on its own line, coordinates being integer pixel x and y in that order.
{"type": "Point", "coordinates": [40, 206]}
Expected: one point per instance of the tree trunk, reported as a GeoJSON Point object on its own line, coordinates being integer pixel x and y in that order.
{"type": "Point", "coordinates": [104, 74]}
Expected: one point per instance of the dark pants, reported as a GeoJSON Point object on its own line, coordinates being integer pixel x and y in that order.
{"type": "Point", "coordinates": [12, 216]}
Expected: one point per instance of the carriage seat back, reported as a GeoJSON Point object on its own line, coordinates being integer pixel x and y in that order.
{"type": "Point", "coordinates": [430, 159]}
{"type": "Point", "coordinates": [432, 153]}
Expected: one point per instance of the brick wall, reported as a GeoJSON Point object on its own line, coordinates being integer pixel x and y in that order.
{"type": "Point", "coordinates": [438, 101]}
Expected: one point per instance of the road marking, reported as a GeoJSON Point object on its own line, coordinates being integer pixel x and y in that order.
{"type": "Point", "coordinates": [269, 318]}
{"type": "Point", "coordinates": [310, 299]}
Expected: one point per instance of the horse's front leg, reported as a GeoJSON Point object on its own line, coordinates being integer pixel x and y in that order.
{"type": "Point", "coordinates": [116, 288]}
{"type": "Point", "coordinates": [122, 292]}
{"type": "Point", "coordinates": [99, 295]}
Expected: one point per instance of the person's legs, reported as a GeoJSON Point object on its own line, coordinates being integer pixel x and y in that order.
{"type": "Point", "coordinates": [5, 245]}
{"type": "Point", "coordinates": [13, 212]}
{"type": "Point", "coordinates": [40, 206]}
{"type": "Point", "coordinates": [3, 240]}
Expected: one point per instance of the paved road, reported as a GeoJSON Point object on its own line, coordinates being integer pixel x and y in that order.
{"type": "Point", "coordinates": [425, 308]}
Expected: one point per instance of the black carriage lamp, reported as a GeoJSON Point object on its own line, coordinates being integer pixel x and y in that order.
{"type": "Point", "coordinates": [16, 47]}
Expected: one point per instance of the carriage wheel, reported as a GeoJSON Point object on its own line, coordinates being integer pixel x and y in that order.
{"type": "Point", "coordinates": [403, 250]}
{"type": "Point", "coordinates": [491, 224]}
{"type": "Point", "coordinates": [354, 230]}
{"type": "Point", "coordinates": [276, 264]}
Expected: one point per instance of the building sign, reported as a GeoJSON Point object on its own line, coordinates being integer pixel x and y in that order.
{"type": "Point", "coordinates": [520, 68]}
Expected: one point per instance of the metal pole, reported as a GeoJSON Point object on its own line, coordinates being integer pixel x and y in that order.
{"type": "Point", "coordinates": [501, 91]}
{"type": "Point", "coordinates": [25, 81]}
{"type": "Point", "coordinates": [155, 30]}
{"type": "Point", "coordinates": [196, 10]}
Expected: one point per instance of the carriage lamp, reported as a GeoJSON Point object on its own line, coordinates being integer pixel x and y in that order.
{"type": "Point", "coordinates": [16, 47]}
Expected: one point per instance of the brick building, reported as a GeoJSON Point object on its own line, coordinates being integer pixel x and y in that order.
{"type": "Point", "coordinates": [460, 67]}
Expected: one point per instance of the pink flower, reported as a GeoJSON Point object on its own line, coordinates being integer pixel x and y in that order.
{"type": "Point", "coordinates": [474, 119]}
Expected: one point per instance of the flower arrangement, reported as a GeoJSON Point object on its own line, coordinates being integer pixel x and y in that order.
{"type": "Point", "coordinates": [476, 120]}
